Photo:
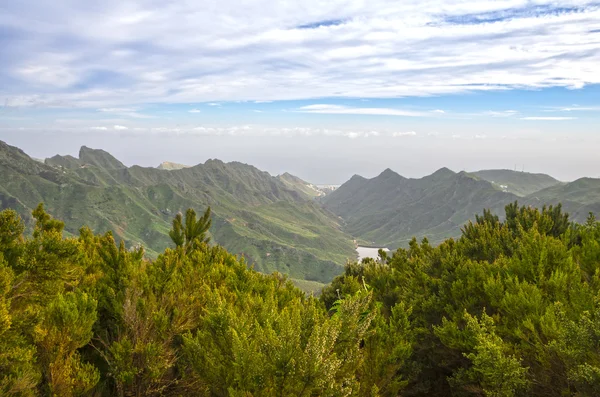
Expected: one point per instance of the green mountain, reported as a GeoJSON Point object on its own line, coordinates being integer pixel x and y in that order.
{"type": "Point", "coordinates": [99, 158]}
{"type": "Point", "coordinates": [298, 184]}
{"type": "Point", "coordinates": [389, 209]}
{"type": "Point", "coordinates": [519, 183]}
{"type": "Point", "coordinates": [579, 197]}
{"type": "Point", "coordinates": [275, 226]}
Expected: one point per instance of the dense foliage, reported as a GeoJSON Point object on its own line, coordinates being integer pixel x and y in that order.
{"type": "Point", "coordinates": [84, 316]}
{"type": "Point", "coordinates": [512, 308]}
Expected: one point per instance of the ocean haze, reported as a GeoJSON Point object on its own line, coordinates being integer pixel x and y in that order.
{"type": "Point", "coordinates": [330, 159]}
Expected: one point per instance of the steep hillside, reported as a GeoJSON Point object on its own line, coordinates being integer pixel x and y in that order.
{"type": "Point", "coordinates": [390, 209]}
{"type": "Point", "coordinates": [300, 185]}
{"type": "Point", "coordinates": [579, 197]}
{"type": "Point", "coordinates": [519, 183]}
{"type": "Point", "coordinates": [277, 228]}
{"type": "Point", "coordinates": [99, 158]}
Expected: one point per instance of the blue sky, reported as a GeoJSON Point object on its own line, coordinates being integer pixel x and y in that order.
{"type": "Point", "coordinates": [324, 90]}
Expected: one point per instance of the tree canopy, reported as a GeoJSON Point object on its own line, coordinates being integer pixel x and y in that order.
{"type": "Point", "coordinates": [511, 308]}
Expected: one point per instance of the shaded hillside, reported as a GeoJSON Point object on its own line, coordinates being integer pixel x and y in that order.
{"type": "Point", "coordinates": [519, 183]}
{"type": "Point", "coordinates": [275, 226]}
{"type": "Point", "coordinates": [389, 209]}
{"type": "Point", "coordinates": [579, 197]}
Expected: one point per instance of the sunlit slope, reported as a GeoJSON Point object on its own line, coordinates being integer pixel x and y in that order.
{"type": "Point", "coordinates": [276, 227]}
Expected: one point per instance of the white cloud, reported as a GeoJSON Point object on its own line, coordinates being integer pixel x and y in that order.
{"type": "Point", "coordinates": [542, 118]}
{"type": "Point", "coordinates": [408, 133]}
{"type": "Point", "coordinates": [574, 108]}
{"type": "Point", "coordinates": [480, 136]}
{"type": "Point", "coordinates": [117, 110]}
{"type": "Point", "coordinates": [338, 109]}
{"type": "Point", "coordinates": [127, 112]}
{"type": "Point", "coordinates": [500, 113]}
{"type": "Point", "coordinates": [120, 127]}
{"type": "Point", "coordinates": [383, 49]}
{"type": "Point", "coordinates": [99, 128]}
{"type": "Point", "coordinates": [194, 111]}
{"type": "Point", "coordinates": [213, 104]}
{"type": "Point", "coordinates": [440, 111]}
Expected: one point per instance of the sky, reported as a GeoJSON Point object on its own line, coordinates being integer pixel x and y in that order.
{"type": "Point", "coordinates": [322, 90]}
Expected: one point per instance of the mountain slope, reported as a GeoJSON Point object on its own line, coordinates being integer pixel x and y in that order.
{"type": "Point", "coordinates": [298, 184]}
{"type": "Point", "coordinates": [389, 209]}
{"type": "Point", "coordinates": [99, 158]}
{"type": "Point", "coordinates": [276, 227]}
{"type": "Point", "coordinates": [519, 183]}
{"type": "Point", "coordinates": [579, 197]}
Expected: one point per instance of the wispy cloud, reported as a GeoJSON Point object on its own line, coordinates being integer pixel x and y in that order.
{"type": "Point", "coordinates": [574, 108]}
{"type": "Point", "coordinates": [253, 131]}
{"type": "Point", "coordinates": [299, 50]}
{"type": "Point", "coordinates": [549, 118]}
{"type": "Point", "coordinates": [194, 111]}
{"type": "Point", "coordinates": [127, 112]}
{"type": "Point", "coordinates": [339, 109]}
{"type": "Point", "coordinates": [500, 113]}
{"type": "Point", "coordinates": [408, 133]}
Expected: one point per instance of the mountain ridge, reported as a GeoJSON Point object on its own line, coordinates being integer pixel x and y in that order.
{"type": "Point", "coordinates": [389, 210]}
{"type": "Point", "coordinates": [276, 227]}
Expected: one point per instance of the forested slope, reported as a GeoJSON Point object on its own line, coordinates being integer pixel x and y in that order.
{"type": "Point", "coordinates": [274, 225]}
{"type": "Point", "coordinates": [389, 210]}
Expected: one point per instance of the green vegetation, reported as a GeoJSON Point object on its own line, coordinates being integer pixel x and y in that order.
{"type": "Point", "coordinates": [274, 225]}
{"type": "Point", "coordinates": [85, 316]}
{"type": "Point", "coordinates": [389, 210]}
{"type": "Point", "coordinates": [298, 184]}
{"type": "Point", "coordinates": [520, 183]}
{"type": "Point", "coordinates": [511, 308]}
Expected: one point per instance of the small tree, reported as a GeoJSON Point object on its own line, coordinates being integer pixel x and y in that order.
{"type": "Point", "coordinates": [192, 233]}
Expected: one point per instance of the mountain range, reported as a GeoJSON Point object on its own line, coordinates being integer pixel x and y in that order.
{"type": "Point", "coordinates": [278, 223]}
{"type": "Point", "coordinates": [389, 210]}
{"type": "Point", "coordinates": [275, 224]}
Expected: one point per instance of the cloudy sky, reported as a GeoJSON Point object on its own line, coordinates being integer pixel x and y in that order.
{"type": "Point", "coordinates": [320, 89]}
